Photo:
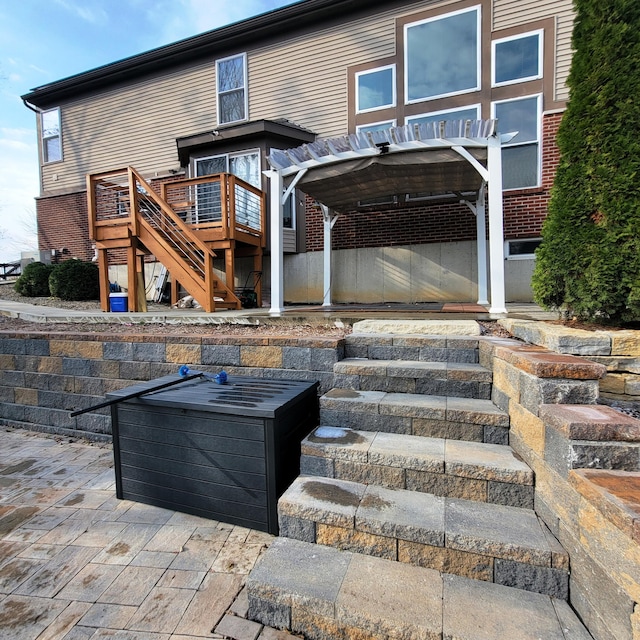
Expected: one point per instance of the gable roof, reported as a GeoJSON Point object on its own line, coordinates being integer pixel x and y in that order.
{"type": "Point", "coordinates": [234, 37]}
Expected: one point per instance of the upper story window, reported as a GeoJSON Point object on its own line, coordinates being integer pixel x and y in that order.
{"type": "Point", "coordinates": [466, 113]}
{"type": "Point", "coordinates": [376, 126]}
{"type": "Point", "coordinates": [51, 140]}
{"type": "Point", "coordinates": [442, 56]}
{"type": "Point", "coordinates": [520, 156]}
{"type": "Point", "coordinates": [231, 86]}
{"type": "Point", "coordinates": [517, 59]}
{"type": "Point", "coordinates": [376, 89]}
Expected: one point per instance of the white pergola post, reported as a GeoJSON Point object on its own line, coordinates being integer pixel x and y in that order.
{"type": "Point", "coordinates": [481, 232]}
{"type": "Point", "coordinates": [329, 218]}
{"type": "Point", "coordinates": [277, 255]}
{"type": "Point", "coordinates": [496, 226]}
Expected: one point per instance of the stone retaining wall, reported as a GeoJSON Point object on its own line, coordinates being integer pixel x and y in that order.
{"type": "Point", "coordinates": [43, 377]}
{"type": "Point", "coordinates": [561, 433]}
{"type": "Point", "coordinates": [618, 351]}
{"type": "Point", "coordinates": [556, 427]}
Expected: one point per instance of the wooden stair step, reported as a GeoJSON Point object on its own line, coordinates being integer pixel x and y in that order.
{"type": "Point", "coordinates": [462, 379]}
{"type": "Point", "coordinates": [457, 418]}
{"type": "Point", "coordinates": [452, 468]}
{"type": "Point", "coordinates": [449, 534]}
{"type": "Point", "coordinates": [321, 592]}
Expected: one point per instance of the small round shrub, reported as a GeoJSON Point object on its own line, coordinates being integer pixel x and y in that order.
{"type": "Point", "coordinates": [75, 280]}
{"type": "Point", "coordinates": [34, 281]}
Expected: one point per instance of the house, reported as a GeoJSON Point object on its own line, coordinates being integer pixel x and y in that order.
{"type": "Point", "coordinates": [424, 84]}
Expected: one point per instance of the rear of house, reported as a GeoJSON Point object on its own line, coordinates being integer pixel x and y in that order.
{"type": "Point", "coordinates": [222, 101]}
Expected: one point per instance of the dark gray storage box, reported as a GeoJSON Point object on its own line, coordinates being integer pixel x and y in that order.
{"type": "Point", "coordinates": [225, 452]}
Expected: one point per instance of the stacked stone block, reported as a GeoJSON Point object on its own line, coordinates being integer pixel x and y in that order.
{"type": "Point", "coordinates": [570, 442]}
{"type": "Point", "coordinates": [44, 377]}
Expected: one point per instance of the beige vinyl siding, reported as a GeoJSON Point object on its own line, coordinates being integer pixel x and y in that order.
{"type": "Point", "coordinates": [301, 82]}
{"type": "Point", "coordinates": [134, 125]}
{"type": "Point", "coordinates": [512, 13]}
{"type": "Point", "coordinates": [303, 78]}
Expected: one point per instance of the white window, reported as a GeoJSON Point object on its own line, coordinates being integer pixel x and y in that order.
{"type": "Point", "coordinates": [521, 249]}
{"type": "Point", "coordinates": [467, 113]}
{"type": "Point", "coordinates": [517, 59]}
{"type": "Point", "coordinates": [376, 126]}
{"type": "Point", "coordinates": [376, 89]}
{"type": "Point", "coordinates": [442, 56]}
{"type": "Point", "coordinates": [245, 165]}
{"type": "Point", "coordinates": [231, 84]}
{"type": "Point", "coordinates": [51, 140]}
{"type": "Point", "coordinates": [520, 156]}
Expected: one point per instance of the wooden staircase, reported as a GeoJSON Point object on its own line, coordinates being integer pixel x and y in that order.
{"type": "Point", "coordinates": [127, 214]}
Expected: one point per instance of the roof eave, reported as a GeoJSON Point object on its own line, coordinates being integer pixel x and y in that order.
{"type": "Point", "coordinates": [235, 36]}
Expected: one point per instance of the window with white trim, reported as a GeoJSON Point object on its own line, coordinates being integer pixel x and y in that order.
{"type": "Point", "coordinates": [517, 59]}
{"type": "Point", "coordinates": [520, 156]}
{"type": "Point", "coordinates": [51, 139]}
{"type": "Point", "coordinates": [467, 113]}
{"type": "Point", "coordinates": [522, 248]}
{"type": "Point", "coordinates": [376, 89]}
{"type": "Point", "coordinates": [442, 56]}
{"type": "Point", "coordinates": [231, 89]}
{"type": "Point", "coordinates": [376, 126]}
{"type": "Point", "coordinates": [245, 165]}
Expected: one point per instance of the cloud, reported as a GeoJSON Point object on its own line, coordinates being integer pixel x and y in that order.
{"type": "Point", "coordinates": [93, 14]}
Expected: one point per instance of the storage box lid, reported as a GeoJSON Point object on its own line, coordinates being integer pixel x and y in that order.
{"type": "Point", "coordinates": [240, 396]}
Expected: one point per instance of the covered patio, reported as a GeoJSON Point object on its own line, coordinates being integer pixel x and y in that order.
{"type": "Point", "coordinates": [448, 160]}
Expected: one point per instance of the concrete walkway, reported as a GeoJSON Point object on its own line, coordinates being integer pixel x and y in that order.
{"type": "Point", "coordinates": [308, 313]}
{"type": "Point", "coordinates": [77, 563]}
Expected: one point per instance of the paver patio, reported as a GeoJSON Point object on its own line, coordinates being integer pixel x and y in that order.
{"type": "Point", "coordinates": [77, 563]}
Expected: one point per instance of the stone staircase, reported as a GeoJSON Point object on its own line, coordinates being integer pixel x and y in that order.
{"type": "Point", "coordinates": [412, 516]}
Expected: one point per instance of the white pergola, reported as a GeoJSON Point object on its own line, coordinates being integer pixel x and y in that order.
{"type": "Point", "coordinates": [455, 158]}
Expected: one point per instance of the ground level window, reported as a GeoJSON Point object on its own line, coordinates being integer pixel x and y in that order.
{"type": "Point", "coordinates": [521, 249]}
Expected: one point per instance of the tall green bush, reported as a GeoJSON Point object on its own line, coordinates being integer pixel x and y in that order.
{"type": "Point", "coordinates": [75, 280]}
{"type": "Point", "coordinates": [34, 280]}
{"type": "Point", "coordinates": [588, 264]}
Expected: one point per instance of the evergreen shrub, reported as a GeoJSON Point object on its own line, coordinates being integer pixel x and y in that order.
{"type": "Point", "coordinates": [75, 280]}
{"type": "Point", "coordinates": [588, 265]}
{"type": "Point", "coordinates": [34, 280]}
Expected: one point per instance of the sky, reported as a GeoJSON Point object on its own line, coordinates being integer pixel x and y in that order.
{"type": "Point", "coordinates": [42, 41]}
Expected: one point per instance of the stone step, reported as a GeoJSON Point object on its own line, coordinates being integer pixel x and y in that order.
{"type": "Point", "coordinates": [452, 468]}
{"type": "Point", "coordinates": [461, 379]}
{"type": "Point", "coordinates": [489, 542]}
{"type": "Point", "coordinates": [321, 592]}
{"type": "Point", "coordinates": [425, 348]}
{"type": "Point", "coordinates": [470, 419]}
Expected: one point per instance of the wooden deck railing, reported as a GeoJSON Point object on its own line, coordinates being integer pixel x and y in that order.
{"type": "Point", "coordinates": [179, 224]}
